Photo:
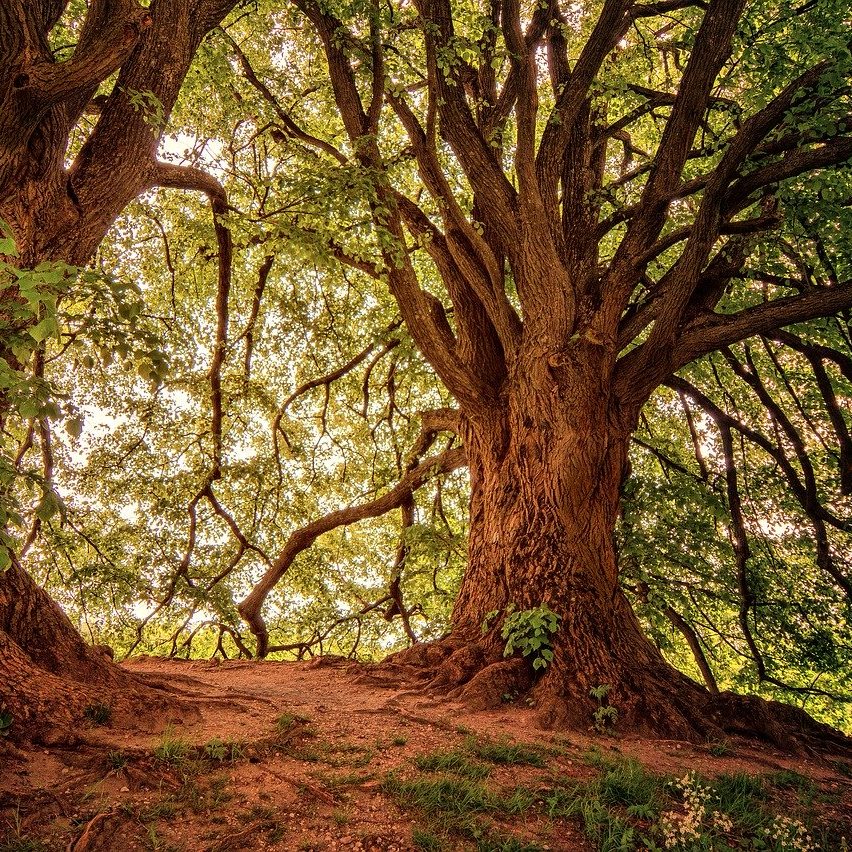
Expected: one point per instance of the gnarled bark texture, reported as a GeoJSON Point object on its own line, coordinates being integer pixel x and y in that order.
{"type": "Point", "coordinates": [546, 468]}
{"type": "Point", "coordinates": [47, 673]}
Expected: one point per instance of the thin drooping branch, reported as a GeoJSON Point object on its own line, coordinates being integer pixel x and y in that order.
{"type": "Point", "coordinates": [381, 346]}
{"type": "Point", "coordinates": [256, 299]}
{"type": "Point", "coordinates": [688, 632]}
{"type": "Point", "coordinates": [188, 178]}
{"type": "Point", "coordinates": [803, 491]}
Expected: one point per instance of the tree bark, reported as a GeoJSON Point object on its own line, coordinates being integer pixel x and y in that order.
{"type": "Point", "coordinates": [546, 479]}
{"type": "Point", "coordinates": [546, 467]}
{"type": "Point", "coordinates": [48, 675]}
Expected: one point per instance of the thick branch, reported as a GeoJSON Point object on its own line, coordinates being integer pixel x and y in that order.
{"type": "Point", "coordinates": [185, 177]}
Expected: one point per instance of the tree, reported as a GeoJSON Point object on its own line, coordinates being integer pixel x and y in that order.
{"type": "Point", "coordinates": [593, 235]}
{"type": "Point", "coordinates": [53, 105]}
{"type": "Point", "coordinates": [559, 240]}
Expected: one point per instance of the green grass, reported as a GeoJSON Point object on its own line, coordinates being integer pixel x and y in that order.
{"type": "Point", "coordinates": [741, 796]}
{"type": "Point", "coordinates": [287, 723]}
{"type": "Point", "coordinates": [505, 752]}
{"type": "Point", "coordinates": [117, 759]}
{"type": "Point", "coordinates": [335, 754]}
{"type": "Point", "coordinates": [720, 749]}
{"type": "Point", "coordinates": [610, 806]}
{"type": "Point", "coordinates": [98, 714]}
{"type": "Point", "coordinates": [446, 795]}
{"type": "Point", "coordinates": [173, 750]}
{"type": "Point", "coordinates": [224, 750]}
{"type": "Point", "coordinates": [521, 799]}
{"type": "Point", "coordinates": [628, 783]}
{"type": "Point", "coordinates": [787, 779]}
{"type": "Point", "coordinates": [426, 841]}
{"type": "Point", "coordinates": [456, 762]}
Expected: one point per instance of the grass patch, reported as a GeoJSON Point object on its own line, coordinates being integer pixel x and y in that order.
{"type": "Point", "coordinates": [173, 750]}
{"type": "Point", "coordinates": [335, 754]}
{"type": "Point", "coordinates": [98, 714]}
{"type": "Point", "coordinates": [456, 762]}
{"type": "Point", "coordinates": [606, 828]}
{"type": "Point", "coordinates": [496, 842]}
{"type": "Point", "coordinates": [117, 759]}
{"type": "Point", "coordinates": [447, 795]}
{"type": "Point", "coordinates": [505, 752]}
{"type": "Point", "coordinates": [521, 799]}
{"type": "Point", "coordinates": [446, 835]}
{"type": "Point", "coordinates": [426, 841]}
{"type": "Point", "coordinates": [224, 750]}
{"type": "Point", "coordinates": [628, 783]}
{"type": "Point", "coordinates": [612, 806]}
{"type": "Point", "coordinates": [788, 779]}
{"type": "Point", "coordinates": [741, 796]}
{"type": "Point", "coordinates": [719, 749]}
{"type": "Point", "coordinates": [288, 722]}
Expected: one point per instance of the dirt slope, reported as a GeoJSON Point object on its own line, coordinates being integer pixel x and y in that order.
{"type": "Point", "coordinates": [297, 756]}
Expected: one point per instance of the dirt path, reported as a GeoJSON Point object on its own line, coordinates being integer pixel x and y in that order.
{"type": "Point", "coordinates": [298, 756]}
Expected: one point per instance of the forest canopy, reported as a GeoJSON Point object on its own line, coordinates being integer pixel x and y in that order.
{"type": "Point", "coordinates": [262, 415]}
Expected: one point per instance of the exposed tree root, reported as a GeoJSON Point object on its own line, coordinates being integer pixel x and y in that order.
{"type": "Point", "coordinates": [659, 704]}
{"type": "Point", "coordinates": [53, 686]}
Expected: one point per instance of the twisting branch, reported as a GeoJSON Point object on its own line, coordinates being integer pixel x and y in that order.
{"type": "Point", "coordinates": [804, 492]}
{"type": "Point", "coordinates": [257, 298]}
{"type": "Point", "coordinates": [303, 538]}
{"type": "Point", "coordinates": [290, 127]}
{"type": "Point", "coordinates": [189, 178]}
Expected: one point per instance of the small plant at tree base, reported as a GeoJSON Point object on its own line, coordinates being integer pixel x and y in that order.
{"type": "Point", "coordinates": [5, 722]}
{"type": "Point", "coordinates": [99, 713]}
{"type": "Point", "coordinates": [117, 759]}
{"type": "Point", "coordinates": [529, 631]}
{"type": "Point", "coordinates": [606, 715]}
{"type": "Point", "coordinates": [221, 750]}
{"type": "Point", "coordinates": [720, 749]}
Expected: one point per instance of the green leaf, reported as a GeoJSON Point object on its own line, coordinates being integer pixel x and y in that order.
{"type": "Point", "coordinates": [74, 426]}
{"type": "Point", "coordinates": [48, 327]}
{"type": "Point", "coordinates": [48, 506]}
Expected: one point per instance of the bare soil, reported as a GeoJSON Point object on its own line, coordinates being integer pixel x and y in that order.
{"type": "Point", "coordinates": [294, 756]}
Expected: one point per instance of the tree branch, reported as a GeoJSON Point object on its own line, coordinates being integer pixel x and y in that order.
{"type": "Point", "coordinates": [303, 538]}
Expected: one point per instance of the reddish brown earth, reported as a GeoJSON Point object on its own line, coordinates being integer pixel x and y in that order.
{"type": "Point", "coordinates": [313, 782]}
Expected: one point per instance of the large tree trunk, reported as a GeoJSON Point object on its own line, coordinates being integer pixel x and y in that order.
{"type": "Point", "coordinates": [49, 674]}
{"type": "Point", "coordinates": [544, 505]}
{"type": "Point", "coordinates": [546, 479]}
